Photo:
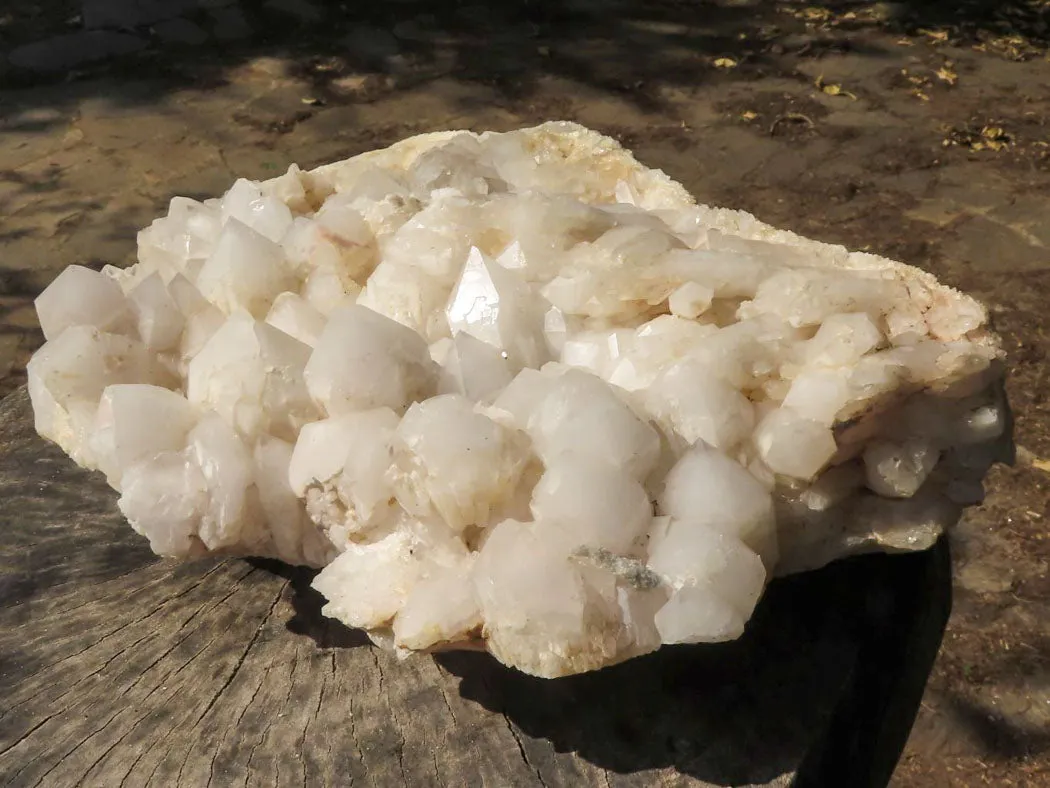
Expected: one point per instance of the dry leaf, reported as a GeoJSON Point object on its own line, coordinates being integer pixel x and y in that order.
{"type": "Point", "coordinates": [725, 62]}
{"type": "Point", "coordinates": [1042, 465]}
{"type": "Point", "coordinates": [748, 115]}
{"type": "Point", "coordinates": [935, 36]}
{"type": "Point", "coordinates": [992, 138]}
{"type": "Point", "coordinates": [831, 89]}
{"type": "Point", "coordinates": [920, 95]}
{"type": "Point", "coordinates": [996, 138]}
{"type": "Point", "coordinates": [945, 74]}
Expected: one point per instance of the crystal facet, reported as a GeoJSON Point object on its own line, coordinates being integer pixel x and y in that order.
{"type": "Point", "coordinates": [518, 391]}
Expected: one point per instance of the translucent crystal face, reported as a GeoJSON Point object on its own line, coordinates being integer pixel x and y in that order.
{"type": "Point", "coordinates": [518, 389]}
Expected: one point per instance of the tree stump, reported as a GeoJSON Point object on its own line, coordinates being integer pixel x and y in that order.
{"type": "Point", "coordinates": [118, 668]}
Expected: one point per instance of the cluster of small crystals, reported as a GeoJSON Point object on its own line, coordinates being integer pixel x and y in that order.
{"type": "Point", "coordinates": [512, 387]}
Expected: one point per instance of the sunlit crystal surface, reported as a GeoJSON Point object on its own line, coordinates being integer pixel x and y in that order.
{"type": "Point", "coordinates": [518, 390]}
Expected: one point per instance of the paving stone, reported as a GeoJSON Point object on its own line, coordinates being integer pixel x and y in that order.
{"type": "Point", "coordinates": [74, 49]}
{"type": "Point", "coordinates": [419, 28]}
{"type": "Point", "coordinates": [370, 46]}
{"type": "Point", "coordinates": [994, 247]}
{"type": "Point", "coordinates": [1027, 217]}
{"type": "Point", "coordinates": [9, 347]}
{"type": "Point", "coordinates": [352, 85]}
{"type": "Point", "coordinates": [303, 11]}
{"type": "Point", "coordinates": [131, 13]}
{"type": "Point", "coordinates": [180, 31]}
{"type": "Point", "coordinates": [477, 14]}
{"type": "Point", "coordinates": [18, 315]}
{"type": "Point", "coordinates": [229, 23]}
{"type": "Point", "coordinates": [280, 108]}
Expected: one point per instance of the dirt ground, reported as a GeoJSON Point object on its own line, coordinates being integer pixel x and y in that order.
{"type": "Point", "coordinates": [917, 130]}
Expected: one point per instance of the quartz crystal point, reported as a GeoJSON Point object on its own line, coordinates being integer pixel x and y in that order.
{"type": "Point", "coordinates": [517, 391]}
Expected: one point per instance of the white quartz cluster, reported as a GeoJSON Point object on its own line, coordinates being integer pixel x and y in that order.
{"type": "Point", "coordinates": [516, 390]}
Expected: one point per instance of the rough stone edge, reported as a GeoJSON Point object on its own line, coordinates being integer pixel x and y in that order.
{"type": "Point", "coordinates": [660, 191]}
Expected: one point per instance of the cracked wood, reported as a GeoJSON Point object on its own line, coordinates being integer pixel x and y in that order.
{"type": "Point", "coordinates": [118, 668]}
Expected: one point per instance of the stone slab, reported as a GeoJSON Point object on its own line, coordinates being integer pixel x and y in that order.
{"type": "Point", "coordinates": [180, 31]}
{"type": "Point", "coordinates": [118, 14]}
{"type": "Point", "coordinates": [74, 49]}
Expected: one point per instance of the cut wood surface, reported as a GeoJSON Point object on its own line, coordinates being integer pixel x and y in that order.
{"type": "Point", "coordinates": [118, 668]}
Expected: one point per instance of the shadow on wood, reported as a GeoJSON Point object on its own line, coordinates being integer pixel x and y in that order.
{"type": "Point", "coordinates": [833, 665]}
{"type": "Point", "coordinates": [121, 668]}
{"type": "Point", "coordinates": [306, 605]}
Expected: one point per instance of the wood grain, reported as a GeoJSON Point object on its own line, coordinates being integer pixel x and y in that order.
{"type": "Point", "coordinates": [121, 669]}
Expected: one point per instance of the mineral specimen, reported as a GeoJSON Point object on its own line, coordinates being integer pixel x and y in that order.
{"type": "Point", "coordinates": [518, 391]}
